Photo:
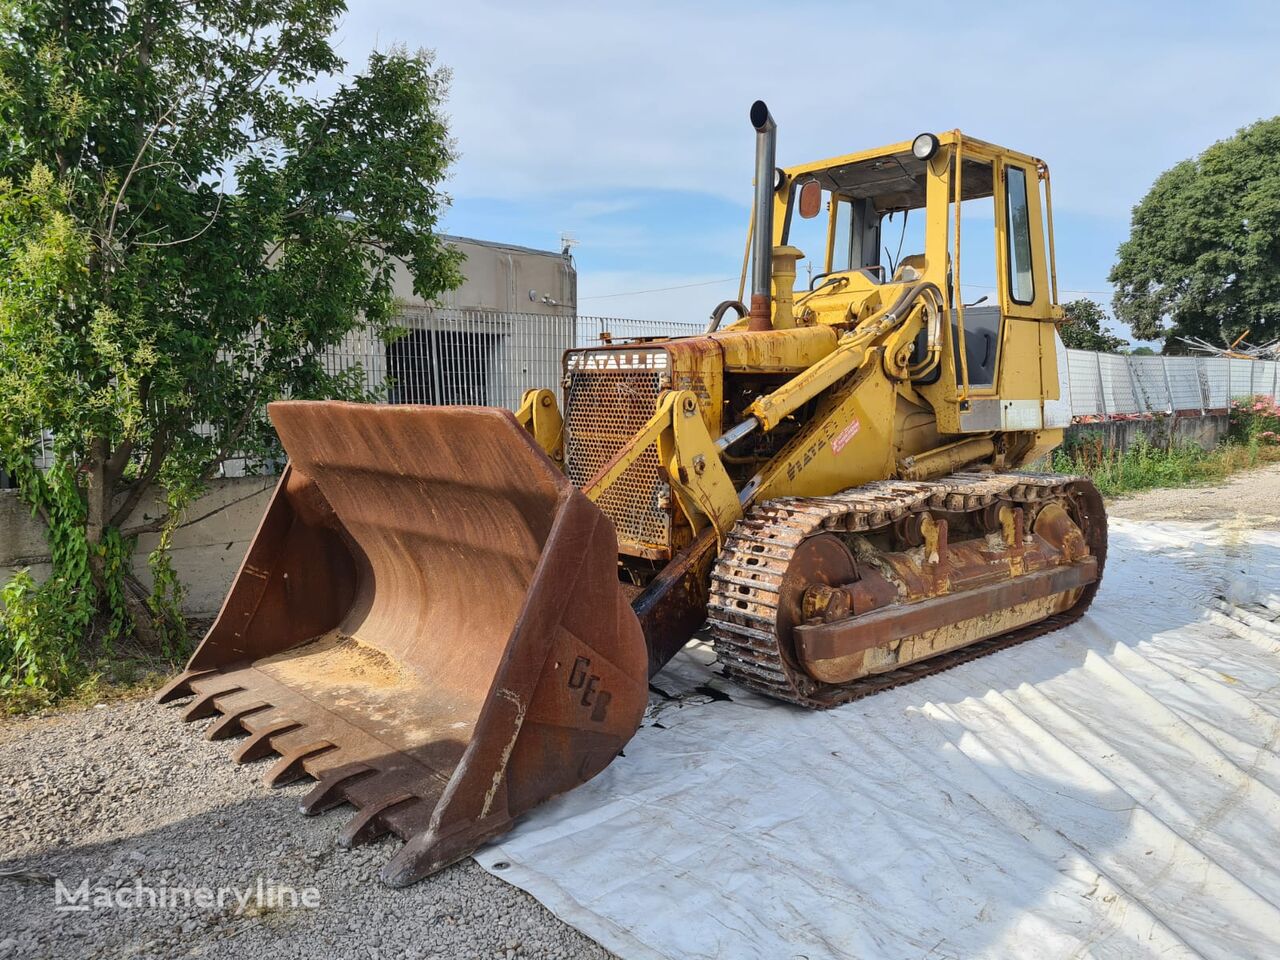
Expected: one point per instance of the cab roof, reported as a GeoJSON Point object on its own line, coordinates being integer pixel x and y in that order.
{"type": "Point", "coordinates": [893, 178]}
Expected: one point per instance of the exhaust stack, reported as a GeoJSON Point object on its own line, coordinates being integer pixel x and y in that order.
{"type": "Point", "coordinates": [762, 239]}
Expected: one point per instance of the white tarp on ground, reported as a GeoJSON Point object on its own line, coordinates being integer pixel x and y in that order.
{"type": "Point", "coordinates": [1112, 789]}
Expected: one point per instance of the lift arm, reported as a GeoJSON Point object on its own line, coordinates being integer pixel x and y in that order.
{"type": "Point", "coordinates": [540, 416]}
{"type": "Point", "coordinates": [770, 410]}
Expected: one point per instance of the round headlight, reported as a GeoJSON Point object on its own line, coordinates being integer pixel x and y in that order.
{"type": "Point", "coordinates": [924, 146]}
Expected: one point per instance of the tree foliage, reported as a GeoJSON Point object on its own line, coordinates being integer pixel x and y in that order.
{"type": "Point", "coordinates": [1203, 255]}
{"type": "Point", "coordinates": [183, 234]}
{"type": "Point", "coordinates": [1083, 328]}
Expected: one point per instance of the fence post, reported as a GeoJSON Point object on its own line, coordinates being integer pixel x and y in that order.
{"type": "Point", "coordinates": [1140, 404]}
{"type": "Point", "coordinates": [1168, 384]}
{"type": "Point", "coordinates": [1102, 387]}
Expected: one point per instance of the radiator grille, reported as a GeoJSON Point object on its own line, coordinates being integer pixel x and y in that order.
{"type": "Point", "coordinates": [605, 407]}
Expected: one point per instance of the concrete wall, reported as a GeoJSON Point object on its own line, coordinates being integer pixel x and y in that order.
{"type": "Point", "coordinates": [1207, 431]}
{"type": "Point", "coordinates": [206, 554]}
{"type": "Point", "coordinates": [498, 277]}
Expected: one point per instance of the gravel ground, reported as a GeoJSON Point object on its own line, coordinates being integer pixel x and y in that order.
{"type": "Point", "coordinates": [1253, 496]}
{"type": "Point", "coordinates": [126, 793]}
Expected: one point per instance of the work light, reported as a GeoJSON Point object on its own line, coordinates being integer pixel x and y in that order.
{"type": "Point", "coordinates": [924, 146]}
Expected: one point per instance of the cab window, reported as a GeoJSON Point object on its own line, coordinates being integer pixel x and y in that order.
{"type": "Point", "coordinates": [808, 234]}
{"type": "Point", "coordinates": [1018, 231]}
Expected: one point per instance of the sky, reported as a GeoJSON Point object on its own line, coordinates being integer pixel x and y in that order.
{"type": "Point", "coordinates": [625, 124]}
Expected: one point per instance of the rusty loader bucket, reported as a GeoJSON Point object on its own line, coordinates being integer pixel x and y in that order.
{"type": "Point", "coordinates": [428, 623]}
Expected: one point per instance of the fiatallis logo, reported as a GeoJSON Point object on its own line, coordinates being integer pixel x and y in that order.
{"type": "Point", "coordinates": [596, 360]}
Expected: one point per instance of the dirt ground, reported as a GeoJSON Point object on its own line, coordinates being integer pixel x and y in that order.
{"type": "Point", "coordinates": [1253, 496]}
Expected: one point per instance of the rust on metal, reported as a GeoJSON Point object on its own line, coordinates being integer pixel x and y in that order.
{"type": "Point", "coordinates": [933, 598]}
{"type": "Point", "coordinates": [674, 605]}
{"type": "Point", "coordinates": [820, 642]}
{"type": "Point", "coordinates": [760, 317]}
{"type": "Point", "coordinates": [920, 598]}
{"type": "Point", "coordinates": [428, 623]}
{"type": "Point", "coordinates": [610, 393]}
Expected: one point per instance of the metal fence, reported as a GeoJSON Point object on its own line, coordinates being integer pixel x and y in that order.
{"type": "Point", "coordinates": [473, 357]}
{"type": "Point", "coordinates": [479, 357]}
{"type": "Point", "coordinates": [1106, 385]}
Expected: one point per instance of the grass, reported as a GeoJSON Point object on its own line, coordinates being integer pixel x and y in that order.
{"type": "Point", "coordinates": [125, 673]}
{"type": "Point", "coordinates": [1145, 466]}
{"type": "Point", "coordinates": [105, 681]}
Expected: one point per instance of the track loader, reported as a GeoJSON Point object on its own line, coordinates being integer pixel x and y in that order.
{"type": "Point", "coordinates": [450, 614]}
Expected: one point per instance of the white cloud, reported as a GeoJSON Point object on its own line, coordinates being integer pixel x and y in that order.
{"type": "Point", "coordinates": [564, 97]}
{"type": "Point", "coordinates": [603, 102]}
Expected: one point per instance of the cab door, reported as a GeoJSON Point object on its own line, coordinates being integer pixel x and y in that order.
{"type": "Point", "coordinates": [1024, 286]}
{"type": "Point", "coordinates": [1028, 373]}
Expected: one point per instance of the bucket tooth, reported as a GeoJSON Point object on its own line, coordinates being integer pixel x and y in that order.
{"type": "Point", "coordinates": [371, 822]}
{"type": "Point", "coordinates": [259, 743]}
{"type": "Point", "coordinates": [204, 706]}
{"type": "Point", "coordinates": [232, 721]}
{"type": "Point", "coordinates": [180, 686]}
{"type": "Point", "coordinates": [330, 791]}
{"type": "Point", "coordinates": [290, 766]}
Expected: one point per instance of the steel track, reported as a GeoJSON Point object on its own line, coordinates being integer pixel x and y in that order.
{"type": "Point", "coordinates": [745, 582]}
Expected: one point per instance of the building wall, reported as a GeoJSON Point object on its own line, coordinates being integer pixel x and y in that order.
{"type": "Point", "coordinates": [502, 331]}
{"type": "Point", "coordinates": [206, 554]}
{"type": "Point", "coordinates": [504, 278]}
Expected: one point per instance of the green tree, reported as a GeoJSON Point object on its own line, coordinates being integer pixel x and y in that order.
{"type": "Point", "coordinates": [1203, 254]}
{"type": "Point", "coordinates": [1082, 329]}
{"type": "Point", "coordinates": [184, 232]}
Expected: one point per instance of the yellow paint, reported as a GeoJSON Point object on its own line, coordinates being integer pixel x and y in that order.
{"type": "Point", "coordinates": [540, 416]}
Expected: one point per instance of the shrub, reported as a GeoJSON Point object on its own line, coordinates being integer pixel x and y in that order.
{"type": "Point", "coordinates": [1256, 419]}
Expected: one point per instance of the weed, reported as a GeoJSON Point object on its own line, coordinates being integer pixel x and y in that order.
{"type": "Point", "coordinates": [1144, 466]}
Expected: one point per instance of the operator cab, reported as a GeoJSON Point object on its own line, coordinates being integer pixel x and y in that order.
{"type": "Point", "coordinates": [864, 223]}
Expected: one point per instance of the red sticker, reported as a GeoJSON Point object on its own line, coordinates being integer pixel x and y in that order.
{"type": "Point", "coordinates": [839, 441]}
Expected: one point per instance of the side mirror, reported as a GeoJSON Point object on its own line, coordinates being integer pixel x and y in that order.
{"type": "Point", "coordinates": [810, 199]}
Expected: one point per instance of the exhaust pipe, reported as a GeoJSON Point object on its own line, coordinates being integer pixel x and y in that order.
{"type": "Point", "coordinates": [762, 239]}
